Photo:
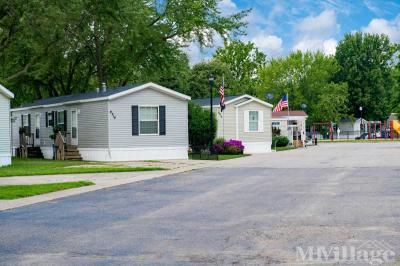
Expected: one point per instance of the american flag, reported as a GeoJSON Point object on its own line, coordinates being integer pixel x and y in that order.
{"type": "Point", "coordinates": [222, 95]}
{"type": "Point", "coordinates": [282, 104]}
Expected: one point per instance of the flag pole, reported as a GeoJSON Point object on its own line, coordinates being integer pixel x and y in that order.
{"type": "Point", "coordinates": [288, 110]}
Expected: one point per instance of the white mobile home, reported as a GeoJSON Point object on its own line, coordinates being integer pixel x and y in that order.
{"type": "Point", "coordinates": [291, 124]}
{"type": "Point", "coordinates": [245, 118]}
{"type": "Point", "coordinates": [127, 123]}
{"type": "Point", "coordinates": [5, 128]}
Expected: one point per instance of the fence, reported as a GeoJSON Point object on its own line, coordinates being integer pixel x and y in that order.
{"type": "Point", "coordinates": [369, 131]}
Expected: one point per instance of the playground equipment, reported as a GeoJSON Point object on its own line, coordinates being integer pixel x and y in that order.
{"type": "Point", "coordinates": [395, 125]}
{"type": "Point", "coordinates": [328, 131]}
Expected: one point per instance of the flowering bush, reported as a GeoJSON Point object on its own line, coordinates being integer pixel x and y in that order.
{"type": "Point", "coordinates": [218, 148]}
{"type": "Point", "coordinates": [233, 147]}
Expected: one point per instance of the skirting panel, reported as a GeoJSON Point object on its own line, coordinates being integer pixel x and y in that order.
{"type": "Point", "coordinates": [257, 147]}
{"type": "Point", "coordinates": [5, 159]}
{"type": "Point", "coordinates": [133, 154]}
{"type": "Point", "coordinates": [47, 152]}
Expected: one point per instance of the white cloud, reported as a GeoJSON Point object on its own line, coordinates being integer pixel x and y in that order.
{"type": "Point", "coordinates": [227, 7]}
{"type": "Point", "coordinates": [382, 26]}
{"type": "Point", "coordinates": [322, 25]}
{"type": "Point", "coordinates": [328, 46]}
{"type": "Point", "coordinates": [315, 33]}
{"type": "Point", "coordinates": [271, 45]}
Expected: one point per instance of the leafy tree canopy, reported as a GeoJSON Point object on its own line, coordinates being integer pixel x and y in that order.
{"type": "Point", "coordinates": [243, 61]}
{"type": "Point", "coordinates": [366, 66]}
{"type": "Point", "coordinates": [60, 47]}
{"type": "Point", "coordinates": [307, 78]}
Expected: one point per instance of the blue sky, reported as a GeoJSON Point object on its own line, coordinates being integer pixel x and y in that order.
{"type": "Point", "coordinates": [278, 27]}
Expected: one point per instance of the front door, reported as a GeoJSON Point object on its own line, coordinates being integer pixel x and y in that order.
{"type": "Point", "coordinates": [74, 127]}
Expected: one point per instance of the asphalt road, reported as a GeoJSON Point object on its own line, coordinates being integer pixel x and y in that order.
{"type": "Point", "coordinates": [252, 211]}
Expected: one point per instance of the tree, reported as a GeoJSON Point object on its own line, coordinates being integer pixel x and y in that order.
{"type": "Point", "coordinates": [366, 62]}
{"type": "Point", "coordinates": [198, 85]}
{"type": "Point", "coordinates": [307, 78]}
{"type": "Point", "coordinates": [396, 77]}
{"type": "Point", "coordinates": [50, 48]}
{"type": "Point", "coordinates": [243, 60]}
{"type": "Point", "coordinates": [199, 126]}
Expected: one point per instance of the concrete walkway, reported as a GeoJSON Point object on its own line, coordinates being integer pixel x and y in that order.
{"type": "Point", "coordinates": [101, 180]}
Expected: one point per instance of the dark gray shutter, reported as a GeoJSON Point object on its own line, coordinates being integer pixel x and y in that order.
{"type": "Point", "coordinates": [135, 120]}
{"type": "Point", "coordinates": [29, 124]}
{"type": "Point", "coordinates": [47, 119]}
{"type": "Point", "coordinates": [65, 121]}
{"type": "Point", "coordinates": [22, 120]}
{"type": "Point", "coordinates": [162, 120]}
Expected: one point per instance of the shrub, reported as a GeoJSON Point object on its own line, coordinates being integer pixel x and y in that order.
{"type": "Point", "coordinates": [219, 141]}
{"type": "Point", "coordinates": [233, 147]}
{"type": "Point", "coordinates": [280, 141]}
{"type": "Point", "coordinates": [232, 150]}
{"type": "Point", "coordinates": [218, 148]}
{"type": "Point", "coordinates": [199, 126]}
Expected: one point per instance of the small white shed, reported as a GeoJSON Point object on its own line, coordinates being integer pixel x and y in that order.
{"type": "Point", "coordinates": [5, 126]}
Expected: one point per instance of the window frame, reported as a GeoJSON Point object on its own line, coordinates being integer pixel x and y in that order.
{"type": "Point", "coordinates": [37, 127]}
{"type": "Point", "coordinates": [23, 120]}
{"type": "Point", "coordinates": [158, 120]}
{"type": "Point", "coordinates": [58, 120]}
{"type": "Point", "coordinates": [50, 119]}
{"type": "Point", "coordinates": [258, 121]}
{"type": "Point", "coordinates": [276, 124]}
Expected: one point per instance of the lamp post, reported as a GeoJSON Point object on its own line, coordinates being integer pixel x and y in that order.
{"type": "Point", "coordinates": [211, 80]}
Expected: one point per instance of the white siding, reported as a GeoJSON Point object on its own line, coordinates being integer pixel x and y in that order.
{"type": "Point", "coordinates": [176, 121]}
{"type": "Point", "coordinates": [4, 125]}
{"type": "Point", "coordinates": [266, 134]}
{"type": "Point", "coordinates": [92, 125]}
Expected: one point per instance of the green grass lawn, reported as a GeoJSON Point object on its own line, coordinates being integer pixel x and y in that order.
{"type": "Point", "coordinates": [9, 192]}
{"type": "Point", "coordinates": [283, 148]}
{"type": "Point", "coordinates": [30, 166]}
{"type": "Point", "coordinates": [222, 157]}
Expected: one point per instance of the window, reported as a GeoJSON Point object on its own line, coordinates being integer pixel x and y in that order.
{"type": "Point", "coordinates": [37, 123]}
{"type": "Point", "coordinates": [292, 123]}
{"type": "Point", "coordinates": [148, 120]}
{"type": "Point", "coordinates": [74, 124]}
{"type": "Point", "coordinates": [60, 119]}
{"type": "Point", "coordinates": [253, 121]}
{"type": "Point", "coordinates": [49, 116]}
{"type": "Point", "coordinates": [25, 121]}
{"type": "Point", "coordinates": [276, 124]}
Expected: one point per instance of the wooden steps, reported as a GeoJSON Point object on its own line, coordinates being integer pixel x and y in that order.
{"type": "Point", "coordinates": [72, 153]}
{"type": "Point", "coordinates": [34, 152]}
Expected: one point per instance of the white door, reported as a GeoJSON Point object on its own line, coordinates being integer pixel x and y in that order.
{"type": "Point", "coordinates": [74, 127]}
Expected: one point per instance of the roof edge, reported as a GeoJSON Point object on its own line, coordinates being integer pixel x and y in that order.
{"type": "Point", "coordinates": [253, 99]}
{"type": "Point", "coordinates": [113, 96]}
{"type": "Point", "coordinates": [6, 92]}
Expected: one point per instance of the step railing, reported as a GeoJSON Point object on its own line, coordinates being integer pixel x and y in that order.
{"type": "Point", "coordinates": [59, 145]}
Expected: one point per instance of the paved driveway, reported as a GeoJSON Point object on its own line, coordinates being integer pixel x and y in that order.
{"type": "Point", "coordinates": [252, 211]}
